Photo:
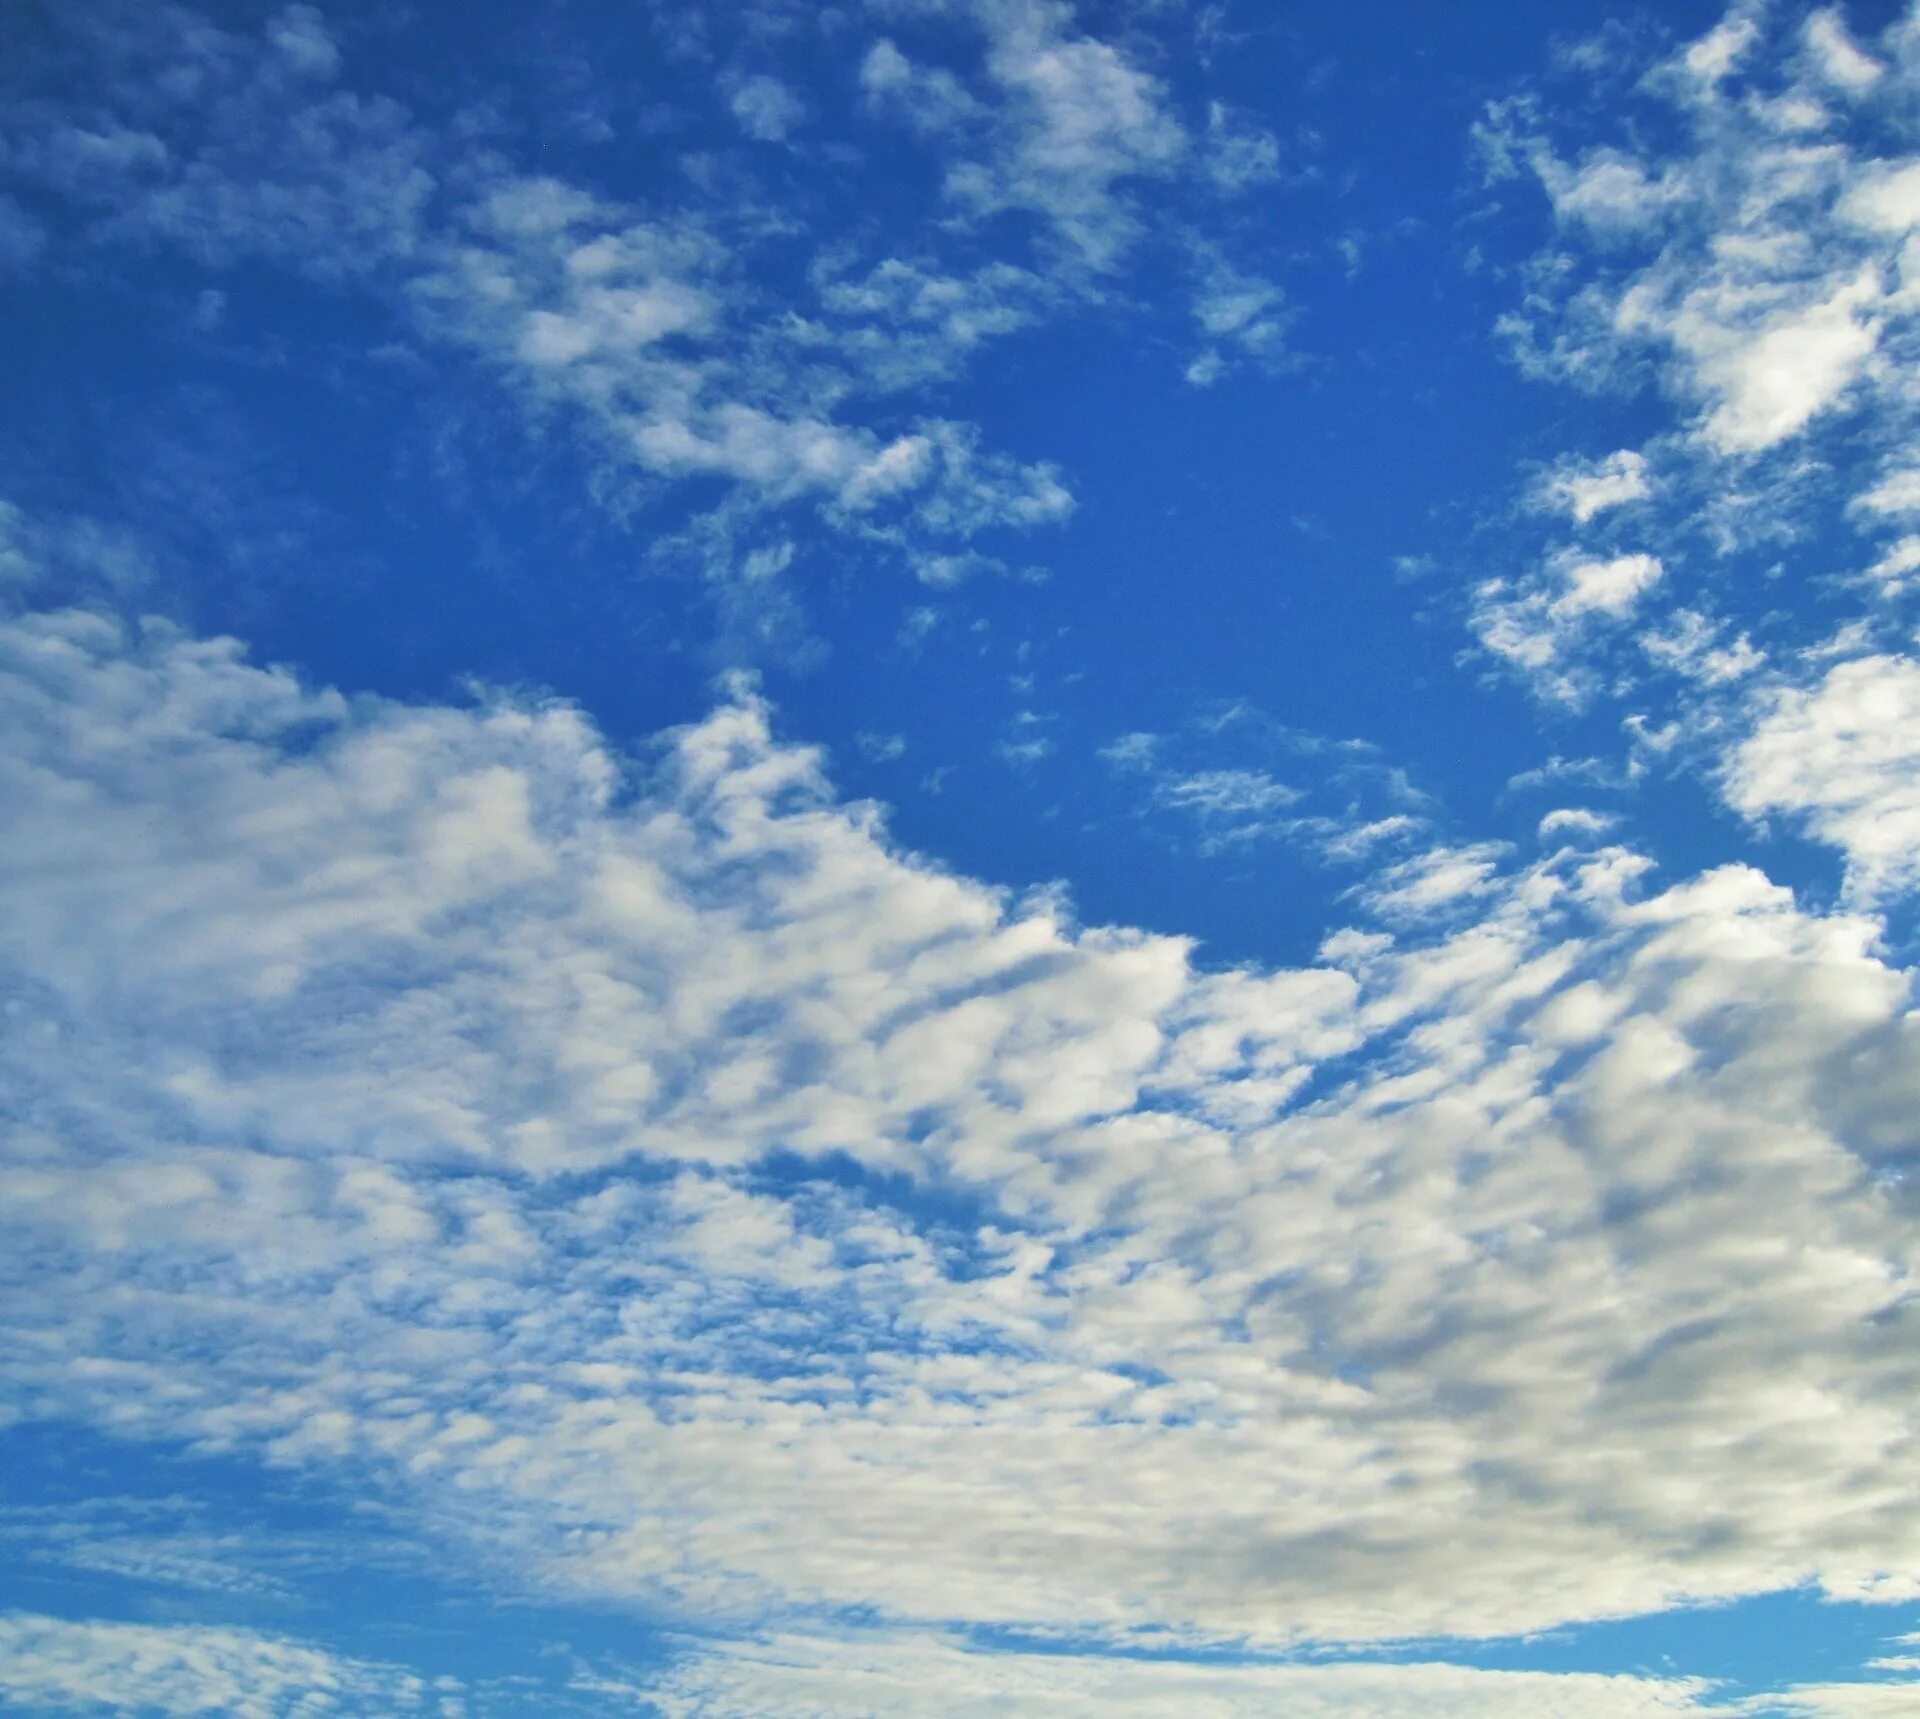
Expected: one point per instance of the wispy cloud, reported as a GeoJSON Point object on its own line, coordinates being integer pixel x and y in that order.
{"type": "Point", "coordinates": [929, 1675]}
{"type": "Point", "coordinates": [179, 1669]}
{"type": "Point", "coordinates": [1843, 757]}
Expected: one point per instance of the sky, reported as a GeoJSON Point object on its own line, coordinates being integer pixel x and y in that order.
{"type": "Point", "coordinates": [959, 857]}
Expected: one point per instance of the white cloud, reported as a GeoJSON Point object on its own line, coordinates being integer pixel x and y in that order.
{"type": "Point", "coordinates": [1750, 250]}
{"type": "Point", "coordinates": [1885, 197]}
{"type": "Point", "coordinates": [1436, 881]}
{"type": "Point", "coordinates": [1756, 258]}
{"type": "Point", "coordinates": [1545, 624]}
{"type": "Point", "coordinates": [1843, 758]}
{"type": "Point", "coordinates": [1887, 1700]}
{"type": "Point", "coordinates": [1060, 125]}
{"type": "Point", "coordinates": [1721, 49]}
{"type": "Point", "coordinates": [60, 1666]}
{"type": "Point", "coordinates": [1577, 820]}
{"type": "Point", "coordinates": [1772, 377]}
{"type": "Point", "coordinates": [400, 1081]}
{"type": "Point", "coordinates": [906, 323]}
{"type": "Point", "coordinates": [931, 99]}
{"type": "Point", "coordinates": [1897, 493]}
{"type": "Point", "coordinates": [1608, 192]}
{"type": "Point", "coordinates": [1217, 774]}
{"type": "Point", "coordinates": [1233, 793]}
{"type": "Point", "coordinates": [1235, 311]}
{"type": "Point", "coordinates": [1585, 489]}
{"type": "Point", "coordinates": [1238, 155]}
{"type": "Point", "coordinates": [766, 109]}
{"type": "Point", "coordinates": [231, 147]}
{"type": "Point", "coordinates": [914, 1676]}
{"type": "Point", "coordinates": [1838, 59]}
{"type": "Point", "coordinates": [638, 326]}
{"type": "Point", "coordinates": [1214, 1357]}
{"type": "Point", "coordinates": [628, 325]}
{"type": "Point", "coordinates": [1205, 369]}
{"type": "Point", "coordinates": [1080, 118]}
{"type": "Point", "coordinates": [1689, 644]}
{"type": "Point", "coordinates": [1895, 569]}
{"type": "Point", "coordinates": [1605, 587]}
{"type": "Point", "coordinates": [881, 748]}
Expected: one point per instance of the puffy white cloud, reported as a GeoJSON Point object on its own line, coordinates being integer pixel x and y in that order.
{"type": "Point", "coordinates": [1585, 489]}
{"type": "Point", "coordinates": [1897, 493]}
{"type": "Point", "coordinates": [1884, 197]}
{"type": "Point", "coordinates": [1075, 119]}
{"type": "Point", "coordinates": [1724, 47]}
{"type": "Point", "coordinates": [1757, 259]}
{"type": "Point", "coordinates": [1769, 376]}
{"type": "Point", "coordinates": [1838, 60]}
{"type": "Point", "coordinates": [1842, 757]}
{"type": "Point", "coordinates": [1605, 587]}
{"type": "Point", "coordinates": [1543, 624]}
{"type": "Point", "coordinates": [1578, 820]}
{"type": "Point", "coordinates": [646, 1174]}
{"type": "Point", "coordinates": [1749, 250]}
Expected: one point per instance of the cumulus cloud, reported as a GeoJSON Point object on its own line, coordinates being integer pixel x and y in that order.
{"type": "Point", "coordinates": [1836, 57]}
{"type": "Point", "coordinates": [1746, 250]}
{"type": "Point", "coordinates": [1757, 261]}
{"type": "Point", "coordinates": [1584, 489]}
{"type": "Point", "coordinates": [1842, 757]}
{"type": "Point", "coordinates": [1541, 623]}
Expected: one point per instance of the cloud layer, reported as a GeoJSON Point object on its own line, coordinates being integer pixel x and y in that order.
{"type": "Point", "coordinates": [437, 1070]}
{"type": "Point", "coordinates": [655, 1185]}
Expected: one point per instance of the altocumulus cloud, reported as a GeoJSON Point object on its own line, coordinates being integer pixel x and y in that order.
{"type": "Point", "coordinates": [66, 1667]}
{"type": "Point", "coordinates": [395, 1079]}
{"type": "Point", "coordinates": [657, 1186]}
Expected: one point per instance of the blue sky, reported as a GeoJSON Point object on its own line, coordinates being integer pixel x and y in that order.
{"type": "Point", "coordinates": [959, 856]}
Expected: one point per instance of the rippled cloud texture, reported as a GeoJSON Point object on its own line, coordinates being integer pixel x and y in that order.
{"type": "Point", "coordinates": [647, 1187]}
